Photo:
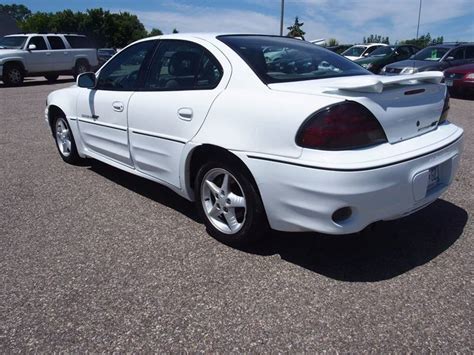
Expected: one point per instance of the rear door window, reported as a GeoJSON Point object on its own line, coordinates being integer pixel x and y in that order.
{"type": "Point", "coordinates": [79, 42]}
{"type": "Point", "coordinates": [56, 42]}
{"type": "Point", "coordinates": [469, 52]}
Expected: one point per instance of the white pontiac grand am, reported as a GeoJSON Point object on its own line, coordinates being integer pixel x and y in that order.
{"type": "Point", "coordinates": [302, 141]}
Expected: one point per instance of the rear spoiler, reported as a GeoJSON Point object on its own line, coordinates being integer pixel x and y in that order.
{"type": "Point", "coordinates": [376, 83]}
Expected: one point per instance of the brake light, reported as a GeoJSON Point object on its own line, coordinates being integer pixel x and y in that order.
{"type": "Point", "coordinates": [444, 114]}
{"type": "Point", "coordinates": [346, 125]}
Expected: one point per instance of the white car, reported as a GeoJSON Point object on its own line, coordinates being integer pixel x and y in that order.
{"type": "Point", "coordinates": [48, 55]}
{"type": "Point", "coordinates": [359, 51]}
{"type": "Point", "coordinates": [293, 146]}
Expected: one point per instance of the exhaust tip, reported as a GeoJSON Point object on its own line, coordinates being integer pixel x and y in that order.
{"type": "Point", "coordinates": [342, 214]}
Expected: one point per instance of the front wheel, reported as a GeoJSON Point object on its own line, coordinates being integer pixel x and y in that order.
{"type": "Point", "coordinates": [65, 141]}
{"type": "Point", "coordinates": [229, 203]}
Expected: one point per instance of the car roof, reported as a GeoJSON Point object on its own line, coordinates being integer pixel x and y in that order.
{"type": "Point", "coordinates": [45, 34]}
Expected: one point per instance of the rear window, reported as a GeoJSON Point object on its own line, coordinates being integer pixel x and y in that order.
{"type": "Point", "coordinates": [280, 59]}
{"type": "Point", "coordinates": [79, 42]}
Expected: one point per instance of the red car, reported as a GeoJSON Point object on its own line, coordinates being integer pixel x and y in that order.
{"type": "Point", "coordinates": [460, 80]}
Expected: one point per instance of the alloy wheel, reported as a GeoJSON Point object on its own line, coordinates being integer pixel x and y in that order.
{"type": "Point", "coordinates": [63, 137]}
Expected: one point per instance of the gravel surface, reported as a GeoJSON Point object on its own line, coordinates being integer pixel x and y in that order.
{"type": "Point", "coordinates": [94, 259]}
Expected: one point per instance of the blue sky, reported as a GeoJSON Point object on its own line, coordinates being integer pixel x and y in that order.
{"type": "Point", "coordinates": [345, 20]}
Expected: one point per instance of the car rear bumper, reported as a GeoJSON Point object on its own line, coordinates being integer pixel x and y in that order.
{"type": "Point", "coordinates": [300, 198]}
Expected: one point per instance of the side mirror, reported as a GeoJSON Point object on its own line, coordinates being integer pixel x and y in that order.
{"type": "Point", "coordinates": [397, 53]}
{"type": "Point", "coordinates": [87, 80]}
{"type": "Point", "coordinates": [32, 47]}
{"type": "Point", "coordinates": [366, 54]}
{"type": "Point", "coordinates": [450, 58]}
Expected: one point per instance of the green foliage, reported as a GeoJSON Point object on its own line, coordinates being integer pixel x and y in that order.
{"type": "Point", "coordinates": [175, 30]}
{"type": "Point", "coordinates": [104, 28]}
{"type": "Point", "coordinates": [18, 12]}
{"type": "Point", "coordinates": [376, 39]}
{"type": "Point", "coordinates": [332, 42]}
{"type": "Point", "coordinates": [295, 29]}
{"type": "Point", "coordinates": [155, 32]}
{"type": "Point", "coordinates": [424, 41]}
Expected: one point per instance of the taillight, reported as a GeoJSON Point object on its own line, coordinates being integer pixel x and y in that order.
{"type": "Point", "coordinates": [444, 114]}
{"type": "Point", "coordinates": [345, 125]}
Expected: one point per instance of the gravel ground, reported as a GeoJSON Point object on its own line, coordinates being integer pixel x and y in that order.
{"type": "Point", "coordinates": [94, 259]}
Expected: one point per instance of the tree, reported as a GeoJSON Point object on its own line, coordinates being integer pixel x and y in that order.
{"type": "Point", "coordinates": [295, 29]}
{"type": "Point", "coordinates": [424, 41]}
{"type": "Point", "coordinates": [154, 32]}
{"type": "Point", "coordinates": [175, 30]}
{"type": "Point", "coordinates": [376, 39]}
{"type": "Point", "coordinates": [18, 12]}
{"type": "Point", "coordinates": [331, 42]}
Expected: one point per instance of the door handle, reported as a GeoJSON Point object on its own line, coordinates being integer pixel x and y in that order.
{"type": "Point", "coordinates": [185, 113]}
{"type": "Point", "coordinates": [118, 106]}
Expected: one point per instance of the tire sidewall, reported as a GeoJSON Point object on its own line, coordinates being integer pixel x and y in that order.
{"type": "Point", "coordinates": [253, 227]}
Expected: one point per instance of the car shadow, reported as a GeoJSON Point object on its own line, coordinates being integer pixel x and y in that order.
{"type": "Point", "coordinates": [385, 251]}
{"type": "Point", "coordinates": [39, 82]}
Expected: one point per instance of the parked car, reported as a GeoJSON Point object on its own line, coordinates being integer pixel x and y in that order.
{"type": "Point", "coordinates": [48, 55]}
{"type": "Point", "coordinates": [361, 50]}
{"type": "Point", "coordinates": [460, 80]}
{"type": "Point", "coordinates": [104, 54]}
{"type": "Point", "coordinates": [386, 55]}
{"type": "Point", "coordinates": [434, 58]}
{"type": "Point", "coordinates": [339, 48]}
{"type": "Point", "coordinates": [298, 149]}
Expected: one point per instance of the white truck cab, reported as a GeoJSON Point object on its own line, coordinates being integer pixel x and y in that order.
{"type": "Point", "coordinates": [48, 55]}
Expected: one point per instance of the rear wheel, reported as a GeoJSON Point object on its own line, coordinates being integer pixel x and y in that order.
{"type": "Point", "coordinates": [65, 141]}
{"type": "Point", "coordinates": [13, 75]}
{"type": "Point", "coordinates": [51, 78]}
{"type": "Point", "coordinates": [81, 67]}
{"type": "Point", "coordinates": [229, 204]}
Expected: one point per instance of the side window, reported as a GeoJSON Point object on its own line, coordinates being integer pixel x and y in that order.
{"type": "Point", "coordinates": [457, 54]}
{"type": "Point", "coordinates": [39, 42]}
{"type": "Point", "coordinates": [404, 52]}
{"type": "Point", "coordinates": [371, 49]}
{"type": "Point", "coordinates": [470, 53]}
{"type": "Point", "coordinates": [182, 65]}
{"type": "Point", "coordinates": [56, 42]}
{"type": "Point", "coordinates": [123, 72]}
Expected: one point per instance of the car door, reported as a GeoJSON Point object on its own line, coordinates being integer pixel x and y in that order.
{"type": "Point", "coordinates": [183, 81]}
{"type": "Point", "coordinates": [102, 111]}
{"type": "Point", "coordinates": [59, 54]}
{"type": "Point", "coordinates": [39, 59]}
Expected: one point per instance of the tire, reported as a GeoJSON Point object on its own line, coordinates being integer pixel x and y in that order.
{"type": "Point", "coordinates": [216, 197]}
{"type": "Point", "coordinates": [13, 75]}
{"type": "Point", "coordinates": [51, 78]}
{"type": "Point", "coordinates": [81, 67]}
{"type": "Point", "coordinates": [65, 141]}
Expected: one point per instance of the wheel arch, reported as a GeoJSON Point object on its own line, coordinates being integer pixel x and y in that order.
{"type": "Point", "coordinates": [53, 113]}
{"type": "Point", "coordinates": [15, 61]}
{"type": "Point", "coordinates": [202, 153]}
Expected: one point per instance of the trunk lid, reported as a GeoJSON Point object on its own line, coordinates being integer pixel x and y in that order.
{"type": "Point", "coordinates": [405, 105]}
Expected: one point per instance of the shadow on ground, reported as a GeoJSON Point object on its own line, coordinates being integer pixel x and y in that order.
{"type": "Point", "coordinates": [386, 251]}
{"type": "Point", "coordinates": [39, 82]}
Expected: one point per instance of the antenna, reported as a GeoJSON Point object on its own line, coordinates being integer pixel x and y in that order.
{"type": "Point", "coordinates": [419, 16]}
{"type": "Point", "coordinates": [282, 15]}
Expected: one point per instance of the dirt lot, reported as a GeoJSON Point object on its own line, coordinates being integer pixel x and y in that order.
{"type": "Point", "coordinates": [94, 259]}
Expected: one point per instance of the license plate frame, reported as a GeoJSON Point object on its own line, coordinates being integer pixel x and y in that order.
{"type": "Point", "coordinates": [433, 178]}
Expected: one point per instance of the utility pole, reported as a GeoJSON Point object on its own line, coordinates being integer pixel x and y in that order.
{"type": "Point", "coordinates": [419, 16]}
{"type": "Point", "coordinates": [282, 15]}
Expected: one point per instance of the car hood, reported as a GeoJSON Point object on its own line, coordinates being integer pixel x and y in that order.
{"type": "Point", "coordinates": [411, 63]}
{"type": "Point", "coordinates": [9, 52]}
{"type": "Point", "coordinates": [468, 68]}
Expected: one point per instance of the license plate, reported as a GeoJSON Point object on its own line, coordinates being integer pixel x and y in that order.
{"type": "Point", "coordinates": [433, 177]}
{"type": "Point", "coordinates": [449, 82]}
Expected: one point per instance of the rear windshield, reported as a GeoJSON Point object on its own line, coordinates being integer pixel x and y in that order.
{"type": "Point", "coordinates": [280, 59]}
{"type": "Point", "coordinates": [355, 51]}
{"type": "Point", "coordinates": [79, 42]}
{"type": "Point", "coordinates": [12, 42]}
{"type": "Point", "coordinates": [431, 53]}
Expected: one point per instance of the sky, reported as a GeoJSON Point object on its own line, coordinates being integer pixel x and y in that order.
{"type": "Point", "coordinates": [346, 20]}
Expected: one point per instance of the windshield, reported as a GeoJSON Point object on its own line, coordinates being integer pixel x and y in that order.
{"type": "Point", "coordinates": [355, 51]}
{"type": "Point", "coordinates": [383, 51]}
{"type": "Point", "coordinates": [431, 53]}
{"type": "Point", "coordinates": [279, 59]}
{"type": "Point", "coordinates": [12, 42]}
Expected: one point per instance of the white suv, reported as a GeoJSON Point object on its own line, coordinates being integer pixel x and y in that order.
{"type": "Point", "coordinates": [48, 55]}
